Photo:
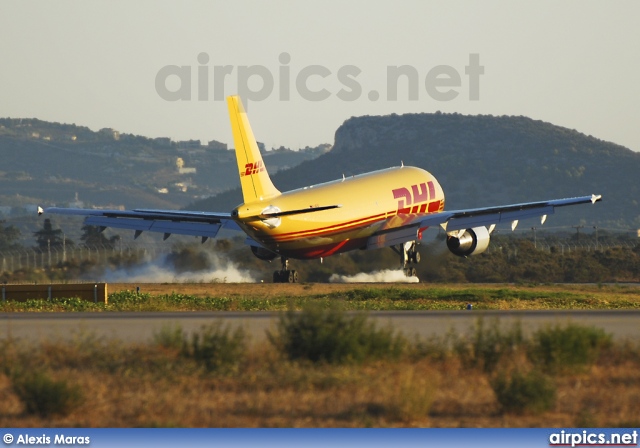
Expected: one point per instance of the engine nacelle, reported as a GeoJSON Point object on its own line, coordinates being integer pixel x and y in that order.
{"type": "Point", "coordinates": [263, 254]}
{"type": "Point", "coordinates": [472, 242]}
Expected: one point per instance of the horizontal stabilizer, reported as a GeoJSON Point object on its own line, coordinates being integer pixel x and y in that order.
{"type": "Point", "coordinates": [297, 212]}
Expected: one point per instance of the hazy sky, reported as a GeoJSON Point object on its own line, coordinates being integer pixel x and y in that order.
{"type": "Point", "coordinates": [98, 64]}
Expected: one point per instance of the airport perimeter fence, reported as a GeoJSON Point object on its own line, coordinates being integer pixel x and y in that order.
{"type": "Point", "coordinates": [33, 258]}
{"type": "Point", "coordinates": [561, 248]}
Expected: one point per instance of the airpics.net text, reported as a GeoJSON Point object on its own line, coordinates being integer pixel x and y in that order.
{"type": "Point", "coordinates": [313, 82]}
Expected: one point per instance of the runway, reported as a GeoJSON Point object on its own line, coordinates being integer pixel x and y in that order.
{"type": "Point", "coordinates": [140, 327]}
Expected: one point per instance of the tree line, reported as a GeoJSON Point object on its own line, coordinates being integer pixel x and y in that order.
{"type": "Point", "coordinates": [557, 258]}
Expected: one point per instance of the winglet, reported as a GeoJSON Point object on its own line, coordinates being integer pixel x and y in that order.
{"type": "Point", "coordinates": [595, 198]}
{"type": "Point", "coordinates": [40, 210]}
{"type": "Point", "coordinates": [254, 179]}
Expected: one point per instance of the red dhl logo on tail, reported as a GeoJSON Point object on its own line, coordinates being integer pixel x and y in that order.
{"type": "Point", "coordinates": [416, 200]}
{"type": "Point", "coordinates": [252, 168]}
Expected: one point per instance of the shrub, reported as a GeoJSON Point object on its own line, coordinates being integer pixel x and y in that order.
{"type": "Point", "coordinates": [488, 344]}
{"type": "Point", "coordinates": [44, 396]}
{"type": "Point", "coordinates": [332, 336]}
{"type": "Point", "coordinates": [128, 299]}
{"type": "Point", "coordinates": [170, 336]}
{"type": "Point", "coordinates": [531, 392]}
{"type": "Point", "coordinates": [217, 348]}
{"type": "Point", "coordinates": [411, 395]}
{"type": "Point", "coordinates": [562, 349]}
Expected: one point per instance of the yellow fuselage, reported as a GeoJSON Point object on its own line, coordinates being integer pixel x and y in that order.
{"type": "Point", "coordinates": [368, 203]}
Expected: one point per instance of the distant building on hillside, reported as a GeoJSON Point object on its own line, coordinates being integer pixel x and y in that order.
{"type": "Point", "coordinates": [189, 144]}
{"type": "Point", "coordinates": [162, 141]}
{"type": "Point", "coordinates": [183, 169]}
{"type": "Point", "coordinates": [111, 133]}
{"type": "Point", "coordinates": [217, 146]}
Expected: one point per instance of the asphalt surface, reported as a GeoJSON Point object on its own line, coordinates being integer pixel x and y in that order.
{"type": "Point", "coordinates": [140, 327]}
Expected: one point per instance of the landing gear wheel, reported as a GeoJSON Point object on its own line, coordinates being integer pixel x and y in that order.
{"type": "Point", "coordinates": [285, 276]}
{"type": "Point", "coordinates": [408, 255]}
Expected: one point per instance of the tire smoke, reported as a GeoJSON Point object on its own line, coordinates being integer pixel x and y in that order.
{"type": "Point", "coordinates": [162, 270]}
{"type": "Point", "coordinates": [384, 276]}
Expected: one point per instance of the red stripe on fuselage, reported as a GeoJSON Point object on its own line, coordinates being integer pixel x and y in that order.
{"type": "Point", "coordinates": [349, 225]}
{"type": "Point", "coordinates": [324, 250]}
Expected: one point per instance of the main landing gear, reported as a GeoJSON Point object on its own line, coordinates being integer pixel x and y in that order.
{"type": "Point", "coordinates": [285, 275]}
{"type": "Point", "coordinates": [408, 255]}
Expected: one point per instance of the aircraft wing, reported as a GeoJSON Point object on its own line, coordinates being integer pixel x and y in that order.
{"type": "Point", "coordinates": [204, 224]}
{"type": "Point", "coordinates": [453, 220]}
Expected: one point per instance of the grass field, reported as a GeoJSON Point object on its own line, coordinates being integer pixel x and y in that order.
{"type": "Point", "coordinates": [492, 377]}
{"type": "Point", "coordinates": [274, 297]}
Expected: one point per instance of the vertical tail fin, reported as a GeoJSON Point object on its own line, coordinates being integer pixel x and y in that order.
{"type": "Point", "coordinates": [254, 179]}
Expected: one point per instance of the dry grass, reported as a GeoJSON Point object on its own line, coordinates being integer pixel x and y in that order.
{"type": "Point", "coordinates": [149, 386]}
{"type": "Point", "coordinates": [154, 386]}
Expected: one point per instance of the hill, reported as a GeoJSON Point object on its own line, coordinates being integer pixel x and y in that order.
{"type": "Point", "coordinates": [480, 161]}
{"type": "Point", "coordinates": [51, 163]}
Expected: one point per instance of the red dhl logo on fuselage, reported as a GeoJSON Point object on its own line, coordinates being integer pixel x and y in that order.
{"type": "Point", "coordinates": [416, 200]}
{"type": "Point", "coordinates": [409, 201]}
{"type": "Point", "coordinates": [252, 168]}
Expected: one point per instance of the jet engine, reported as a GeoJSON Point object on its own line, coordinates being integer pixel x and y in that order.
{"type": "Point", "coordinates": [470, 242]}
{"type": "Point", "coordinates": [263, 254]}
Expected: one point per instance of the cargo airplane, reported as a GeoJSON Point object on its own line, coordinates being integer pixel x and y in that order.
{"type": "Point", "coordinates": [386, 208]}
